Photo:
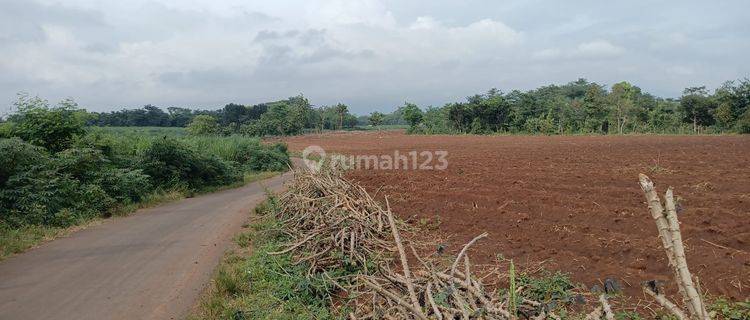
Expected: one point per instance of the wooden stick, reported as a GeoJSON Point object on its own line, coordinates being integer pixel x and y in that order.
{"type": "Point", "coordinates": [662, 300]}
{"type": "Point", "coordinates": [404, 263]}
{"type": "Point", "coordinates": [698, 311]}
{"type": "Point", "coordinates": [416, 310]}
{"type": "Point", "coordinates": [463, 252]}
{"type": "Point", "coordinates": [657, 213]}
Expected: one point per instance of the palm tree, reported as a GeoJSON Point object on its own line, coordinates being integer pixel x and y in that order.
{"type": "Point", "coordinates": [342, 110]}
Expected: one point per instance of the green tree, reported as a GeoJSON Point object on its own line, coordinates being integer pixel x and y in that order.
{"type": "Point", "coordinates": [621, 100]}
{"type": "Point", "coordinates": [743, 123]}
{"type": "Point", "coordinates": [412, 114]}
{"type": "Point", "coordinates": [341, 110]}
{"type": "Point", "coordinates": [376, 119]}
{"type": "Point", "coordinates": [696, 107]}
{"type": "Point", "coordinates": [53, 128]}
{"type": "Point", "coordinates": [203, 125]}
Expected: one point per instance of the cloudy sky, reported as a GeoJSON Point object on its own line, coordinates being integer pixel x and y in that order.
{"type": "Point", "coordinates": [371, 55]}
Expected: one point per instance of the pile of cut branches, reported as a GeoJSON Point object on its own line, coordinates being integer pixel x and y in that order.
{"type": "Point", "coordinates": [332, 222]}
{"type": "Point", "coordinates": [434, 293]}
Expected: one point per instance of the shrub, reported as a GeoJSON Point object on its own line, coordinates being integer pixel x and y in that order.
{"type": "Point", "coordinates": [203, 125]}
{"type": "Point", "coordinates": [125, 185]}
{"type": "Point", "coordinates": [16, 156]}
{"type": "Point", "coordinates": [81, 164]}
{"type": "Point", "coordinates": [743, 123]}
{"type": "Point", "coordinates": [172, 163]}
{"type": "Point", "coordinates": [43, 196]}
{"type": "Point", "coordinates": [53, 128]}
{"type": "Point", "coordinates": [258, 157]}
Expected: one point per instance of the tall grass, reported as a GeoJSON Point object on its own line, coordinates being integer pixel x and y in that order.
{"type": "Point", "coordinates": [132, 141]}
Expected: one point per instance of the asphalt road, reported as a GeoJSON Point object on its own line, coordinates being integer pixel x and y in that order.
{"type": "Point", "coordinates": [153, 264]}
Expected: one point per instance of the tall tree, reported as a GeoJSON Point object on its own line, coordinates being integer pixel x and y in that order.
{"type": "Point", "coordinates": [412, 114]}
{"type": "Point", "coordinates": [376, 118]}
{"type": "Point", "coordinates": [621, 100]}
{"type": "Point", "coordinates": [341, 110]}
{"type": "Point", "coordinates": [696, 106]}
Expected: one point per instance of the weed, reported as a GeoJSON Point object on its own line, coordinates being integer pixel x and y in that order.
{"type": "Point", "coordinates": [554, 289]}
{"type": "Point", "coordinates": [739, 310]}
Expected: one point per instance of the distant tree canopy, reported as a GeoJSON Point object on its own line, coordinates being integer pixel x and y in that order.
{"type": "Point", "coordinates": [587, 107]}
{"type": "Point", "coordinates": [286, 117]}
{"type": "Point", "coordinates": [576, 107]}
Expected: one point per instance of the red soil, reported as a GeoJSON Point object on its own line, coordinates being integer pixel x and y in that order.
{"type": "Point", "coordinates": [573, 202]}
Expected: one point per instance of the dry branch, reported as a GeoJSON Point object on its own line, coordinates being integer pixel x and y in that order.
{"type": "Point", "coordinates": [669, 232]}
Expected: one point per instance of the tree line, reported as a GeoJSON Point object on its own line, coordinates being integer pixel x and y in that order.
{"type": "Point", "coordinates": [576, 107]}
{"type": "Point", "coordinates": [290, 116]}
{"type": "Point", "coordinates": [587, 107]}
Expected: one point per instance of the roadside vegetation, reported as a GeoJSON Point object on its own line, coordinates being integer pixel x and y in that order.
{"type": "Point", "coordinates": [55, 173]}
{"type": "Point", "coordinates": [253, 284]}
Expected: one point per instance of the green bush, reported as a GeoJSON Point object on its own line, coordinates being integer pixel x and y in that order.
{"type": "Point", "coordinates": [53, 128]}
{"type": "Point", "coordinates": [42, 195]}
{"type": "Point", "coordinates": [16, 156]}
{"type": "Point", "coordinates": [263, 158]}
{"type": "Point", "coordinates": [61, 189]}
{"type": "Point", "coordinates": [743, 123]}
{"type": "Point", "coordinates": [171, 163]}
{"type": "Point", "coordinates": [101, 170]}
{"type": "Point", "coordinates": [125, 185]}
{"type": "Point", "coordinates": [203, 125]}
{"type": "Point", "coordinates": [81, 164]}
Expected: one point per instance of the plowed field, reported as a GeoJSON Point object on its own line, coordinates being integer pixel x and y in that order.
{"type": "Point", "coordinates": [572, 203]}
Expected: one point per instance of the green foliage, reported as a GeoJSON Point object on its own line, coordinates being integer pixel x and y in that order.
{"type": "Point", "coordinates": [48, 192]}
{"type": "Point", "coordinates": [435, 121]}
{"type": "Point", "coordinates": [412, 114]}
{"type": "Point", "coordinates": [264, 286]}
{"type": "Point", "coordinates": [585, 107]}
{"type": "Point", "coordinates": [743, 124]}
{"type": "Point", "coordinates": [739, 310]}
{"type": "Point", "coordinates": [554, 289]}
{"type": "Point", "coordinates": [171, 163]}
{"type": "Point", "coordinates": [376, 119]}
{"type": "Point", "coordinates": [697, 107]}
{"type": "Point", "coordinates": [203, 125]}
{"type": "Point", "coordinates": [105, 169]}
{"type": "Point", "coordinates": [52, 128]}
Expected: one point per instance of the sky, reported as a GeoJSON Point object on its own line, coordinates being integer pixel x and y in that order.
{"type": "Point", "coordinates": [371, 55]}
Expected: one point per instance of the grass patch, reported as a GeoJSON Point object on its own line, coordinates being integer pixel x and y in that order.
{"type": "Point", "coordinates": [14, 241]}
{"type": "Point", "coordinates": [252, 284]}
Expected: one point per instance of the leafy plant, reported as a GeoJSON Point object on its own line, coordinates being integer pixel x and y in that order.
{"type": "Point", "coordinates": [53, 128]}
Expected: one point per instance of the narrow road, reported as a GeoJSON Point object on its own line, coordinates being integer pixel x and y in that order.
{"type": "Point", "coordinates": [150, 265]}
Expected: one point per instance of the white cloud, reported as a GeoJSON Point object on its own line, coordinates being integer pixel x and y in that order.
{"type": "Point", "coordinates": [597, 49]}
{"type": "Point", "coordinates": [546, 54]}
{"type": "Point", "coordinates": [367, 53]}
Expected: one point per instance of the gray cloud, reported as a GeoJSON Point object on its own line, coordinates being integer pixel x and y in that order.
{"type": "Point", "coordinates": [371, 54]}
